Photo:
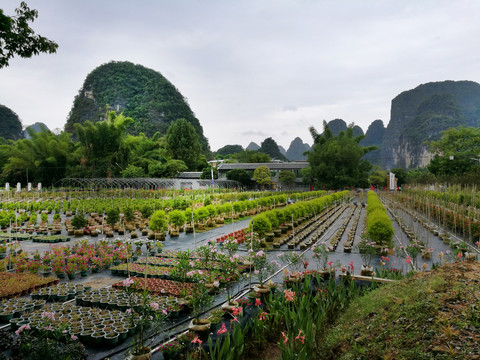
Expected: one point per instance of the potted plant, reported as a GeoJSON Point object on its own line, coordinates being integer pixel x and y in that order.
{"type": "Point", "coordinates": [263, 268]}
{"type": "Point", "coordinates": [144, 313]}
{"type": "Point", "coordinates": [158, 224]}
{"type": "Point", "coordinates": [177, 219]}
{"type": "Point", "coordinates": [200, 302]}
{"type": "Point", "coordinates": [367, 252]}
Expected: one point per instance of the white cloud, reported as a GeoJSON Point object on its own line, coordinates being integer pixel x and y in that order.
{"type": "Point", "coordinates": [251, 69]}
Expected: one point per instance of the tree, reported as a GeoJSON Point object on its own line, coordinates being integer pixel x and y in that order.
{"type": "Point", "coordinates": [113, 216]}
{"type": "Point", "coordinates": [207, 172]}
{"type": "Point", "coordinates": [103, 151]}
{"type": "Point", "coordinates": [286, 177]}
{"type": "Point", "coordinates": [457, 151]}
{"type": "Point", "coordinates": [229, 150]}
{"type": "Point", "coordinates": [17, 38]}
{"type": "Point", "coordinates": [241, 175]}
{"type": "Point", "coordinates": [177, 218]}
{"type": "Point", "coordinates": [44, 158]}
{"type": "Point", "coordinates": [378, 177]}
{"type": "Point", "coordinates": [251, 156]}
{"type": "Point", "coordinates": [158, 222]}
{"type": "Point", "coordinates": [133, 171]}
{"type": "Point", "coordinates": [183, 144]}
{"type": "Point", "coordinates": [270, 147]}
{"type": "Point", "coordinates": [262, 175]}
{"type": "Point", "coordinates": [336, 161]}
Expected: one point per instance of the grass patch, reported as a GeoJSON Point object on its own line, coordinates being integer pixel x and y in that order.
{"type": "Point", "coordinates": [433, 315]}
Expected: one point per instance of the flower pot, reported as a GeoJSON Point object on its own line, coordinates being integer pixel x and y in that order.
{"type": "Point", "coordinates": [229, 306]}
{"type": "Point", "coordinates": [143, 354]}
{"type": "Point", "coordinates": [366, 270]}
{"type": "Point", "coordinates": [261, 290]}
{"type": "Point", "coordinates": [201, 327]}
{"type": "Point", "coordinates": [111, 338]}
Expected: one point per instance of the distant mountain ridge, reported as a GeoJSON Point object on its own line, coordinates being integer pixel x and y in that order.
{"type": "Point", "coordinates": [421, 114]}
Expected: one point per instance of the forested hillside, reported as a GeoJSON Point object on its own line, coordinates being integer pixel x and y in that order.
{"type": "Point", "coordinates": [143, 94]}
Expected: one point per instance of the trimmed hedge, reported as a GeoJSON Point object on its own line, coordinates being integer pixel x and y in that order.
{"type": "Point", "coordinates": [379, 226]}
{"type": "Point", "coordinates": [265, 222]}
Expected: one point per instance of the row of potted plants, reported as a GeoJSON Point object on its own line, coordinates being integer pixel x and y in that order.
{"type": "Point", "coordinates": [17, 284]}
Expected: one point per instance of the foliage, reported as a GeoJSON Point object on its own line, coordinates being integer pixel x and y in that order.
{"type": "Point", "coordinates": [241, 175]}
{"type": "Point", "coordinates": [158, 222]}
{"type": "Point", "coordinates": [79, 222]}
{"type": "Point", "coordinates": [183, 144]}
{"type": "Point", "coordinates": [113, 216]}
{"type": "Point", "coordinates": [177, 218]}
{"type": "Point", "coordinates": [336, 161]}
{"type": "Point", "coordinates": [103, 150]}
{"type": "Point", "coordinates": [379, 226]}
{"type": "Point", "coordinates": [261, 225]}
{"type": "Point", "coordinates": [270, 147]}
{"type": "Point", "coordinates": [229, 150]}
{"type": "Point", "coordinates": [286, 177]}
{"type": "Point", "coordinates": [201, 300]}
{"type": "Point", "coordinates": [10, 126]}
{"type": "Point", "coordinates": [132, 171]}
{"type": "Point", "coordinates": [46, 157]}
{"type": "Point", "coordinates": [18, 38]}
{"type": "Point", "coordinates": [138, 92]}
{"type": "Point", "coordinates": [409, 315]}
{"type": "Point", "coordinates": [251, 156]}
{"type": "Point", "coordinates": [262, 175]}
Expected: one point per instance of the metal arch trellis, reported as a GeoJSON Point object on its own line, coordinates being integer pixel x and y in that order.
{"type": "Point", "coordinates": [143, 183]}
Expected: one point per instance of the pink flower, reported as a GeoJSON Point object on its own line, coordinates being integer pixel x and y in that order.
{"type": "Point", "coordinates": [289, 295]}
{"type": "Point", "coordinates": [300, 338]}
{"type": "Point", "coordinates": [262, 316]}
{"type": "Point", "coordinates": [258, 302]}
{"type": "Point", "coordinates": [236, 311]}
{"type": "Point", "coordinates": [196, 340]}
{"type": "Point", "coordinates": [21, 328]}
{"type": "Point", "coordinates": [351, 265]}
{"type": "Point", "coordinates": [330, 263]}
{"type": "Point", "coordinates": [216, 283]}
{"type": "Point", "coordinates": [73, 337]}
{"type": "Point", "coordinates": [154, 306]}
{"type": "Point", "coordinates": [408, 260]}
{"type": "Point", "coordinates": [127, 282]}
{"type": "Point", "coordinates": [48, 315]}
{"type": "Point", "coordinates": [260, 253]}
{"type": "Point", "coordinates": [222, 330]}
{"type": "Point", "coordinates": [285, 337]}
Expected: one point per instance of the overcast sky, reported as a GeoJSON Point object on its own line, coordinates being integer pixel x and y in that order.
{"type": "Point", "coordinates": [251, 69]}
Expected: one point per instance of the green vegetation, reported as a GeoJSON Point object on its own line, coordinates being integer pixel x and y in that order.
{"type": "Point", "coordinates": [411, 319]}
{"type": "Point", "coordinates": [10, 125]}
{"type": "Point", "coordinates": [18, 38]}
{"type": "Point", "coordinates": [379, 226]}
{"type": "Point", "coordinates": [138, 92]}
{"type": "Point", "coordinates": [262, 176]}
{"type": "Point", "coordinates": [336, 161]}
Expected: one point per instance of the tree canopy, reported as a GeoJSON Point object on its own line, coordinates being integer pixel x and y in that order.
{"type": "Point", "coordinates": [18, 38]}
{"type": "Point", "coordinates": [183, 144]}
{"type": "Point", "coordinates": [456, 152]}
{"type": "Point", "coordinates": [262, 175]}
{"type": "Point", "coordinates": [336, 161]}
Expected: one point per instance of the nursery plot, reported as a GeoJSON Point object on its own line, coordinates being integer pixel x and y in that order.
{"type": "Point", "coordinates": [340, 227]}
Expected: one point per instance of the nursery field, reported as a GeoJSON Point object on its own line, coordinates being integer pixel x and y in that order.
{"type": "Point", "coordinates": [207, 276]}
